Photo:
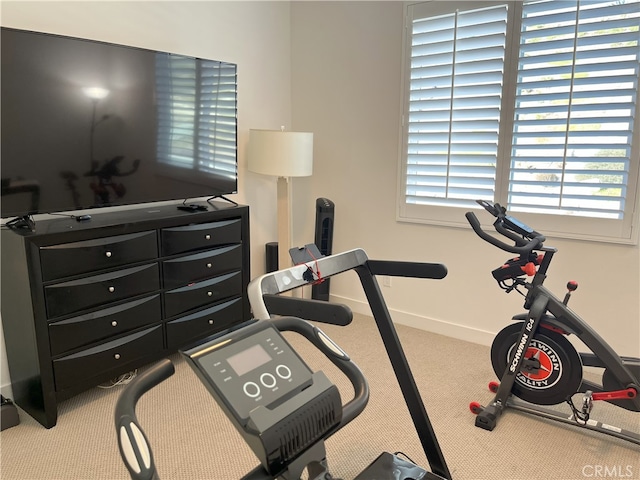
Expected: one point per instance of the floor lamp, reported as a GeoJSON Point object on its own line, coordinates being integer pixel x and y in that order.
{"type": "Point", "coordinates": [284, 155]}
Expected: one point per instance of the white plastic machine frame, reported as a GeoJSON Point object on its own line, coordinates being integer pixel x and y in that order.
{"type": "Point", "coordinates": [291, 278]}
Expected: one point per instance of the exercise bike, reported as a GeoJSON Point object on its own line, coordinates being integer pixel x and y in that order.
{"type": "Point", "coordinates": [533, 358]}
{"type": "Point", "coordinates": [282, 408]}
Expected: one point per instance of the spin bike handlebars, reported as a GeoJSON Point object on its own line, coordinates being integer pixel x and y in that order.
{"type": "Point", "coordinates": [524, 238]}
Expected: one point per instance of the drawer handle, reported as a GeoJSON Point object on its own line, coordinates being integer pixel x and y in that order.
{"type": "Point", "coordinates": [117, 356]}
{"type": "Point", "coordinates": [209, 294]}
{"type": "Point", "coordinates": [108, 254]}
{"type": "Point", "coordinates": [207, 237]}
{"type": "Point", "coordinates": [112, 289]}
{"type": "Point", "coordinates": [114, 324]}
{"type": "Point", "coordinates": [210, 322]}
{"type": "Point", "coordinates": [209, 265]}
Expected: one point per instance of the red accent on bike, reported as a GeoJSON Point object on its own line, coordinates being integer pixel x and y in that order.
{"type": "Point", "coordinates": [529, 269]}
{"type": "Point", "coordinates": [475, 408]}
{"type": "Point", "coordinates": [554, 329]}
{"type": "Point", "coordinates": [544, 371]}
{"type": "Point", "coordinates": [616, 394]}
{"type": "Point", "coordinates": [493, 387]}
{"type": "Point", "coordinates": [539, 259]}
{"type": "Point", "coordinates": [572, 285]}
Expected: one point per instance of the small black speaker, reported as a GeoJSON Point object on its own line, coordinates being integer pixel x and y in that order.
{"type": "Point", "coordinates": [325, 212]}
{"type": "Point", "coordinates": [271, 256]}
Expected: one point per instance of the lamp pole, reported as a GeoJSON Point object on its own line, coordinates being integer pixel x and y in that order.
{"type": "Point", "coordinates": [285, 207]}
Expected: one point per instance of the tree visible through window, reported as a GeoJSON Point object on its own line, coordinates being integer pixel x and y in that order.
{"type": "Point", "coordinates": [532, 104]}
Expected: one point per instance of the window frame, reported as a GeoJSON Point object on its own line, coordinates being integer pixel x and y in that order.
{"type": "Point", "coordinates": [624, 231]}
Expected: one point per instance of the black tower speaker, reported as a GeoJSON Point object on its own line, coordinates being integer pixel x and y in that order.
{"type": "Point", "coordinates": [271, 256]}
{"type": "Point", "coordinates": [325, 209]}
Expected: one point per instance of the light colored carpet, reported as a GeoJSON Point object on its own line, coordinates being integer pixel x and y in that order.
{"type": "Point", "coordinates": [192, 439]}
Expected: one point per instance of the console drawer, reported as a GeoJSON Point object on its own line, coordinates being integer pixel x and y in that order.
{"type": "Point", "coordinates": [73, 369]}
{"type": "Point", "coordinates": [199, 236]}
{"type": "Point", "coordinates": [199, 294]}
{"type": "Point", "coordinates": [68, 297]}
{"type": "Point", "coordinates": [64, 260]}
{"type": "Point", "coordinates": [191, 268]}
{"type": "Point", "coordinates": [88, 328]}
{"type": "Point", "coordinates": [203, 323]}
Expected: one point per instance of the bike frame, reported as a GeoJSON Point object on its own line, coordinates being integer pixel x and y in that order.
{"type": "Point", "coordinates": [545, 310]}
{"type": "Point", "coordinates": [568, 322]}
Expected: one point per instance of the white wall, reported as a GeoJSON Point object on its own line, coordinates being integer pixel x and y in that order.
{"type": "Point", "coordinates": [336, 72]}
{"type": "Point", "coordinates": [347, 90]}
{"type": "Point", "coordinates": [254, 35]}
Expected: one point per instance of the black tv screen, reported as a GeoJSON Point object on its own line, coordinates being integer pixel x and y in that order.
{"type": "Point", "coordinates": [90, 124]}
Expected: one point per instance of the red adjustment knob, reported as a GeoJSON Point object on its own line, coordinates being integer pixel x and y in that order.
{"type": "Point", "coordinates": [572, 285]}
{"type": "Point", "coordinates": [530, 269]}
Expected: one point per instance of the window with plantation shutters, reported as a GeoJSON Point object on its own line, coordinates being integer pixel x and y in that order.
{"type": "Point", "coordinates": [457, 63]}
{"type": "Point", "coordinates": [574, 110]}
{"type": "Point", "coordinates": [532, 104]}
{"type": "Point", "coordinates": [196, 114]}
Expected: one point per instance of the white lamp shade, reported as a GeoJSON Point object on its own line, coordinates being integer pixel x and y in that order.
{"type": "Point", "coordinates": [281, 154]}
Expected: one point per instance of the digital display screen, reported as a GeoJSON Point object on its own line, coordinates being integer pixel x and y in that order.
{"type": "Point", "coordinates": [518, 224]}
{"type": "Point", "coordinates": [249, 359]}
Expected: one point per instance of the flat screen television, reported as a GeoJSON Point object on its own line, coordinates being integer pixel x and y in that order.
{"type": "Point", "coordinates": [89, 124]}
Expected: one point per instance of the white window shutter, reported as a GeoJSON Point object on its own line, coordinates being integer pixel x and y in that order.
{"type": "Point", "coordinates": [575, 106]}
{"type": "Point", "coordinates": [457, 63]}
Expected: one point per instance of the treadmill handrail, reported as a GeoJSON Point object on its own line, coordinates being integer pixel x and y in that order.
{"type": "Point", "coordinates": [291, 278]}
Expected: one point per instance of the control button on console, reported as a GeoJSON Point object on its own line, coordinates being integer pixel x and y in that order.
{"type": "Point", "coordinates": [283, 371]}
{"type": "Point", "coordinates": [251, 389]}
{"type": "Point", "coordinates": [268, 380]}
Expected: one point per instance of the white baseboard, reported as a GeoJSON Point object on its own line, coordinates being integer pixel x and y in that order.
{"type": "Point", "coordinates": [460, 332]}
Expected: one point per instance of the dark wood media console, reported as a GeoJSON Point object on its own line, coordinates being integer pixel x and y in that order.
{"type": "Point", "coordinates": [84, 302]}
